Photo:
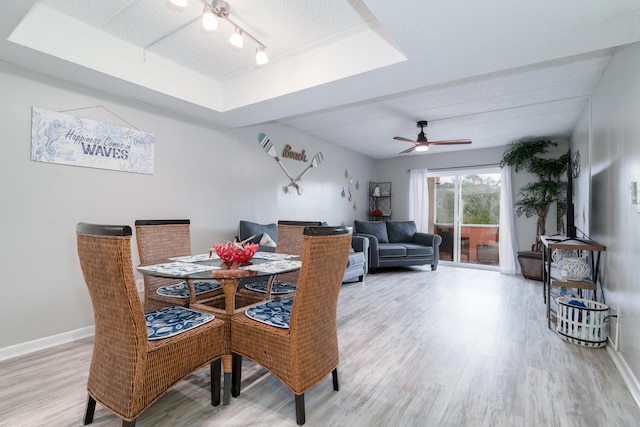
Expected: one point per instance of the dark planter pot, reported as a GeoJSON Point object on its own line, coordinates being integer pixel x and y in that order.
{"type": "Point", "coordinates": [531, 264]}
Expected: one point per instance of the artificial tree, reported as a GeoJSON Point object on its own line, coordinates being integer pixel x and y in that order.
{"type": "Point", "coordinates": [535, 198]}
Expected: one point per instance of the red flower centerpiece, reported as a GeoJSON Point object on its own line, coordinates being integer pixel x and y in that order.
{"type": "Point", "coordinates": [235, 252]}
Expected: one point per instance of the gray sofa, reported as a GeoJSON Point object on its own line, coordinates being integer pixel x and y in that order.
{"type": "Point", "coordinates": [398, 244]}
{"type": "Point", "coordinates": [357, 265]}
{"type": "Point", "coordinates": [248, 229]}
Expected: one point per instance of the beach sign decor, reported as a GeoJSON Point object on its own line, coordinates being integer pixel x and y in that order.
{"type": "Point", "coordinates": [70, 140]}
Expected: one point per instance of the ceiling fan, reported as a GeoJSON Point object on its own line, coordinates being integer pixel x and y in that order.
{"type": "Point", "coordinates": [423, 145]}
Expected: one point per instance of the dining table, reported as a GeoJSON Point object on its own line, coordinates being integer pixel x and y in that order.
{"type": "Point", "coordinates": [190, 268]}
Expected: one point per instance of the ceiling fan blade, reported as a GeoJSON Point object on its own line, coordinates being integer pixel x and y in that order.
{"type": "Point", "coordinates": [408, 150]}
{"type": "Point", "coordinates": [450, 142]}
{"type": "Point", "coordinates": [399, 138]}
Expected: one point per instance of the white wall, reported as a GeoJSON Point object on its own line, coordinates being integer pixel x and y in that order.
{"type": "Point", "coordinates": [581, 143]}
{"type": "Point", "coordinates": [213, 176]}
{"type": "Point", "coordinates": [615, 222]}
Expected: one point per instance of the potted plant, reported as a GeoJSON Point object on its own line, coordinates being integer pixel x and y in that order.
{"type": "Point", "coordinates": [535, 198]}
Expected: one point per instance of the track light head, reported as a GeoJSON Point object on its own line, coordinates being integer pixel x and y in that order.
{"type": "Point", "coordinates": [261, 56]}
{"type": "Point", "coordinates": [236, 38]}
{"type": "Point", "coordinates": [209, 21]}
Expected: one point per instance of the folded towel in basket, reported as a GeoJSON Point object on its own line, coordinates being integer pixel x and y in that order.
{"type": "Point", "coordinates": [579, 304]}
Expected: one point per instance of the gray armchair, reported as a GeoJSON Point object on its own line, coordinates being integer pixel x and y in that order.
{"type": "Point", "coordinates": [358, 264]}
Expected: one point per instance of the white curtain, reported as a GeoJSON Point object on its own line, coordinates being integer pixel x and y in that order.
{"type": "Point", "coordinates": [508, 239]}
{"type": "Point", "coordinates": [419, 199]}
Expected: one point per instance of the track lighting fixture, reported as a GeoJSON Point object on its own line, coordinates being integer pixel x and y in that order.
{"type": "Point", "coordinates": [214, 9]}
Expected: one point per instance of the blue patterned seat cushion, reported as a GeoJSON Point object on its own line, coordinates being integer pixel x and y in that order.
{"type": "Point", "coordinates": [181, 290]}
{"type": "Point", "coordinates": [275, 312]}
{"type": "Point", "coordinates": [169, 321]}
{"type": "Point", "coordinates": [277, 288]}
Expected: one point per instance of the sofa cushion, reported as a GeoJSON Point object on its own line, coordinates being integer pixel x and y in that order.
{"type": "Point", "coordinates": [391, 250]}
{"type": "Point", "coordinates": [248, 229]}
{"type": "Point", "coordinates": [418, 250]}
{"type": "Point", "coordinates": [401, 231]}
{"type": "Point", "coordinates": [375, 228]}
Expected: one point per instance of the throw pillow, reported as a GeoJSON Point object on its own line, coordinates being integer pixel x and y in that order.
{"type": "Point", "coordinates": [376, 228]}
{"type": "Point", "coordinates": [267, 241]}
{"type": "Point", "coordinates": [401, 231]}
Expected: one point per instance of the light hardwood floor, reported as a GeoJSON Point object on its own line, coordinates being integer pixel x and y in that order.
{"type": "Point", "coordinates": [454, 347]}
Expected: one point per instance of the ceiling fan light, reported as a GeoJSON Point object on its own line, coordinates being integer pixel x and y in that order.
{"type": "Point", "coordinates": [209, 21]}
{"type": "Point", "coordinates": [179, 3]}
{"type": "Point", "coordinates": [261, 56]}
{"type": "Point", "coordinates": [236, 38]}
{"type": "Point", "coordinates": [422, 147]}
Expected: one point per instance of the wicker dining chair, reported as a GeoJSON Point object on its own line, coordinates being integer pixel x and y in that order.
{"type": "Point", "coordinates": [290, 241]}
{"type": "Point", "coordinates": [157, 240]}
{"type": "Point", "coordinates": [128, 371]}
{"type": "Point", "coordinates": [306, 351]}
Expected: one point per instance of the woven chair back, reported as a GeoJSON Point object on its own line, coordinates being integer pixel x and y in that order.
{"type": "Point", "coordinates": [313, 317]}
{"type": "Point", "coordinates": [120, 328]}
{"type": "Point", "coordinates": [290, 240]}
{"type": "Point", "coordinates": [157, 240]}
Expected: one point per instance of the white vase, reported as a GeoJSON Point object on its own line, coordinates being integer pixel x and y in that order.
{"type": "Point", "coordinates": [574, 268]}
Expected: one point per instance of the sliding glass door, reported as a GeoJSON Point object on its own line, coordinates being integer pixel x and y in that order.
{"type": "Point", "coordinates": [466, 213]}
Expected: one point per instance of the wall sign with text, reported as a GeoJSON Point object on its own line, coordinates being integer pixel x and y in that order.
{"type": "Point", "coordinates": [70, 140]}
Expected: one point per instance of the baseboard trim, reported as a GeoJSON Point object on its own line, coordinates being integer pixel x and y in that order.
{"type": "Point", "coordinates": [627, 375]}
{"type": "Point", "coordinates": [44, 343]}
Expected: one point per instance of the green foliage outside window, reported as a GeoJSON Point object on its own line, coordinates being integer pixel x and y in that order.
{"type": "Point", "coordinates": [480, 200]}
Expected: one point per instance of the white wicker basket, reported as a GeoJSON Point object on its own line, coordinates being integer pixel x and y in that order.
{"type": "Point", "coordinates": [584, 326]}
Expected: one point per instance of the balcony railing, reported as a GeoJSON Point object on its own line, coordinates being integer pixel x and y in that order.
{"type": "Point", "coordinates": [478, 243]}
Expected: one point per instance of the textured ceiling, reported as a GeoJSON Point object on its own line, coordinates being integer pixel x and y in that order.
{"type": "Point", "coordinates": [285, 27]}
{"type": "Point", "coordinates": [353, 72]}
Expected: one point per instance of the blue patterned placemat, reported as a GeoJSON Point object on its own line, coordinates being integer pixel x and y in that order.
{"type": "Point", "coordinates": [195, 258]}
{"type": "Point", "coordinates": [169, 321]}
{"type": "Point", "coordinates": [275, 312]}
{"type": "Point", "coordinates": [277, 287]}
{"type": "Point", "coordinates": [181, 290]}
{"type": "Point", "coordinates": [274, 267]}
{"type": "Point", "coordinates": [178, 268]}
